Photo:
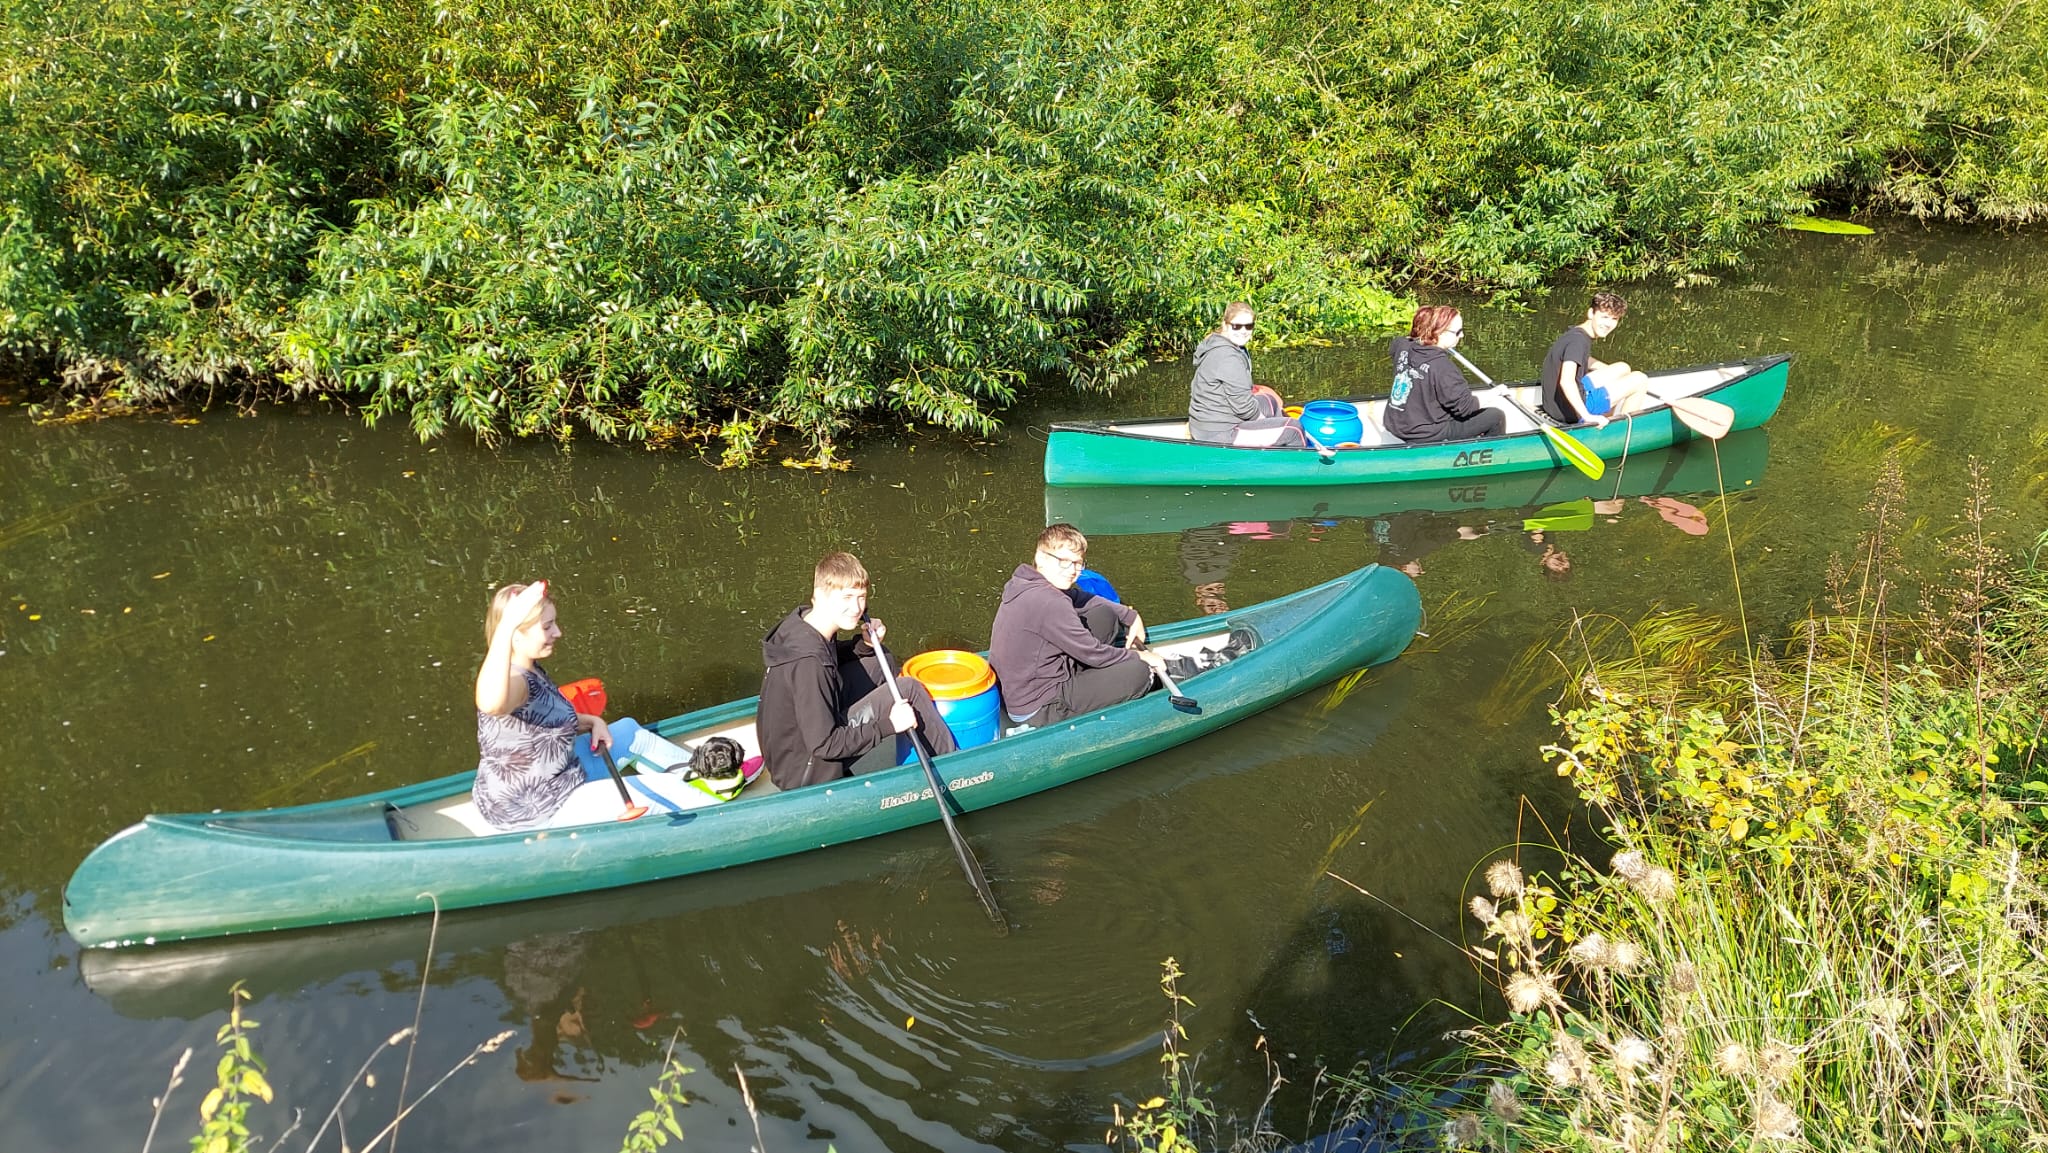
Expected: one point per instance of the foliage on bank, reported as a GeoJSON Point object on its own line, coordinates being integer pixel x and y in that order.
{"type": "Point", "coordinates": [1821, 921]}
{"type": "Point", "coordinates": [804, 214]}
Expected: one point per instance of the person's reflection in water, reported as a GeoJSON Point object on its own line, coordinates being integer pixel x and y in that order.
{"type": "Point", "coordinates": [1406, 538]}
{"type": "Point", "coordinates": [1206, 554]}
{"type": "Point", "coordinates": [541, 975]}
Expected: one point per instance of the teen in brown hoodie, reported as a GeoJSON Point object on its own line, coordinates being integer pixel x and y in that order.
{"type": "Point", "coordinates": [1052, 645]}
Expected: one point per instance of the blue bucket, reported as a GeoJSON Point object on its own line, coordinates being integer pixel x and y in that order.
{"type": "Point", "coordinates": [1332, 422]}
{"type": "Point", "coordinates": [964, 689]}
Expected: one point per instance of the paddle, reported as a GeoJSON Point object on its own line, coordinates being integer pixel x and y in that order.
{"type": "Point", "coordinates": [1567, 445]}
{"type": "Point", "coordinates": [634, 811]}
{"type": "Point", "coordinates": [1174, 696]}
{"type": "Point", "coordinates": [1324, 454]}
{"type": "Point", "coordinates": [1571, 516]}
{"type": "Point", "coordinates": [1709, 418]}
{"type": "Point", "coordinates": [968, 864]}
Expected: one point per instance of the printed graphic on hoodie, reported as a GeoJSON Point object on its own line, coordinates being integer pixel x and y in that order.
{"type": "Point", "coordinates": [1404, 381]}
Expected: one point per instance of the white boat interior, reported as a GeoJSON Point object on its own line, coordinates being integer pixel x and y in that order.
{"type": "Point", "coordinates": [1518, 402]}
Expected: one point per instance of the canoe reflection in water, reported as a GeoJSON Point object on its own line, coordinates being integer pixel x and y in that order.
{"type": "Point", "coordinates": [1411, 520]}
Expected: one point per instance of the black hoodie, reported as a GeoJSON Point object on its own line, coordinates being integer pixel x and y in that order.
{"type": "Point", "coordinates": [1428, 391]}
{"type": "Point", "coordinates": [806, 736]}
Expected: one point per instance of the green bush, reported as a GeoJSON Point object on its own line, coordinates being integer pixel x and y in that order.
{"type": "Point", "coordinates": [805, 214]}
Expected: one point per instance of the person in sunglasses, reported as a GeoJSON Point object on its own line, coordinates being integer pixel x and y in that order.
{"type": "Point", "coordinates": [1430, 402]}
{"type": "Point", "coordinates": [1223, 405]}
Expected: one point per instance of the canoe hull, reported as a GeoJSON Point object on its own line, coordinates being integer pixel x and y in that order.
{"type": "Point", "coordinates": [186, 876]}
{"type": "Point", "coordinates": [1096, 453]}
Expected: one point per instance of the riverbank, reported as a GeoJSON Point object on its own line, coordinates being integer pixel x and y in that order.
{"type": "Point", "coordinates": [723, 220]}
{"type": "Point", "coordinates": [1816, 919]}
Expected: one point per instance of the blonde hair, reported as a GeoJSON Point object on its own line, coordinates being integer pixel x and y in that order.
{"type": "Point", "coordinates": [1062, 534]}
{"type": "Point", "coordinates": [1234, 309]}
{"type": "Point", "coordinates": [500, 600]}
{"type": "Point", "coordinates": [839, 570]}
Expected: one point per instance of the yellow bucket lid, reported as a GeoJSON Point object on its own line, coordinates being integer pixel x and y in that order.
{"type": "Point", "coordinates": [951, 674]}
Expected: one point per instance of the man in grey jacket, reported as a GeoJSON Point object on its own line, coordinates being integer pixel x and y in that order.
{"type": "Point", "coordinates": [1221, 402]}
{"type": "Point", "coordinates": [1054, 647]}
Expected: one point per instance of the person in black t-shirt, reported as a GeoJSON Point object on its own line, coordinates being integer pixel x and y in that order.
{"type": "Point", "coordinates": [1576, 385]}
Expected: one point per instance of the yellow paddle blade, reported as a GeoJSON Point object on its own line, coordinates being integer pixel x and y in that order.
{"type": "Point", "coordinates": [1575, 451]}
{"type": "Point", "coordinates": [1571, 516]}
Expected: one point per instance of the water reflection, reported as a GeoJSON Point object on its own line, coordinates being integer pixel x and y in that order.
{"type": "Point", "coordinates": [333, 567]}
{"type": "Point", "coordinates": [1408, 522]}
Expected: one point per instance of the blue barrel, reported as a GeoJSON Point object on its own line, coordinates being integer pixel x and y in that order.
{"type": "Point", "coordinates": [964, 689]}
{"type": "Point", "coordinates": [1332, 422]}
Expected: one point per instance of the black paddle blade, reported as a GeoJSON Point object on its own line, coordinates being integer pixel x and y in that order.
{"type": "Point", "coordinates": [968, 863]}
{"type": "Point", "coordinates": [1184, 704]}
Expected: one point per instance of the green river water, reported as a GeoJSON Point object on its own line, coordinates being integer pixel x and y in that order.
{"type": "Point", "coordinates": [284, 606]}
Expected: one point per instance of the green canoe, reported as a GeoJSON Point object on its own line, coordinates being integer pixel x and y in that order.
{"type": "Point", "coordinates": [1158, 451]}
{"type": "Point", "coordinates": [1686, 468]}
{"type": "Point", "coordinates": [199, 875]}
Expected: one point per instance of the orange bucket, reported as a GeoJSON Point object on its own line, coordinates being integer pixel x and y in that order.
{"type": "Point", "coordinates": [951, 674]}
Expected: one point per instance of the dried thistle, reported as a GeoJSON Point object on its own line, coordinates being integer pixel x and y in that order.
{"type": "Point", "coordinates": [1502, 1102]}
{"type": "Point", "coordinates": [1568, 1065]}
{"type": "Point", "coordinates": [1529, 991]}
{"type": "Point", "coordinates": [1775, 1121]}
{"type": "Point", "coordinates": [1777, 1063]}
{"type": "Point", "coordinates": [1632, 1053]}
{"type": "Point", "coordinates": [1732, 1060]}
{"type": "Point", "coordinates": [1463, 1131]}
{"type": "Point", "coordinates": [1685, 978]}
{"type": "Point", "coordinates": [1504, 878]}
{"type": "Point", "coordinates": [1629, 865]}
{"type": "Point", "coordinates": [1657, 885]}
{"type": "Point", "coordinates": [1485, 911]}
{"type": "Point", "coordinates": [1592, 953]}
{"type": "Point", "coordinates": [1624, 955]}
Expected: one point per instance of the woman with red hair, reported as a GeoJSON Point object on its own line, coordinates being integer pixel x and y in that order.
{"type": "Point", "coordinates": [1430, 402]}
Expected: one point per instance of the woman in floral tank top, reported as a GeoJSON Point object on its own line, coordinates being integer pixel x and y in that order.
{"type": "Point", "coordinates": [525, 728]}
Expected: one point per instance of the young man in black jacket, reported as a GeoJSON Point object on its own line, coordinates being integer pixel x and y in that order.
{"type": "Point", "coordinates": [823, 703]}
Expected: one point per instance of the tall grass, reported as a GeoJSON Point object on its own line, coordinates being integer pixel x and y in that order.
{"type": "Point", "coordinates": [1819, 919]}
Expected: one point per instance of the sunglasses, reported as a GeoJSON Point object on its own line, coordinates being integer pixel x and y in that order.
{"type": "Point", "coordinates": [1245, 327]}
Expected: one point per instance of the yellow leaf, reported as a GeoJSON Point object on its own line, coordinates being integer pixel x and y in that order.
{"type": "Point", "coordinates": [219, 1144]}
{"type": "Point", "coordinates": [1738, 828]}
{"type": "Point", "coordinates": [208, 1106]}
{"type": "Point", "coordinates": [909, 1022]}
{"type": "Point", "coordinates": [1154, 1103]}
{"type": "Point", "coordinates": [254, 1085]}
{"type": "Point", "coordinates": [161, 575]}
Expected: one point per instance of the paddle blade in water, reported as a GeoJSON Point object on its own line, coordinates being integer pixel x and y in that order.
{"type": "Point", "coordinates": [1831, 227]}
{"type": "Point", "coordinates": [1571, 516]}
